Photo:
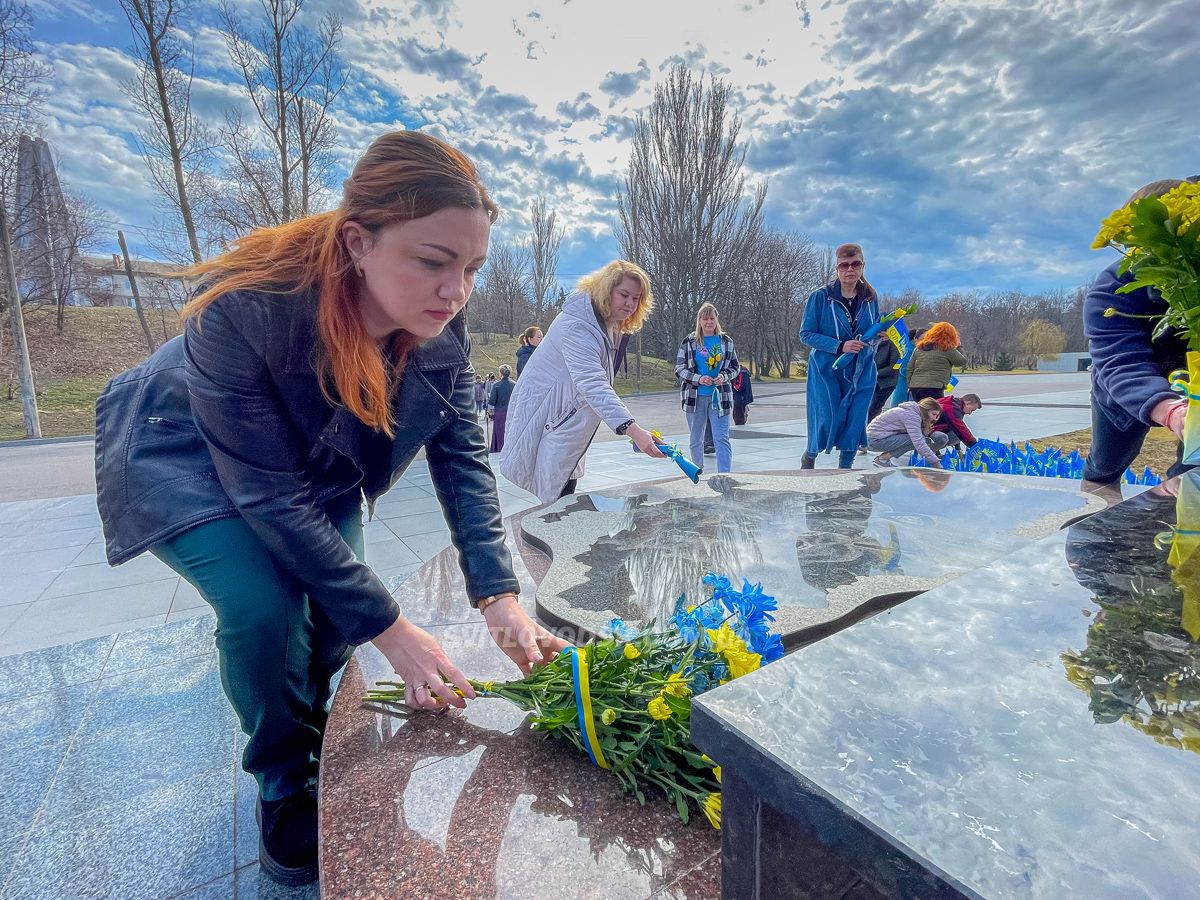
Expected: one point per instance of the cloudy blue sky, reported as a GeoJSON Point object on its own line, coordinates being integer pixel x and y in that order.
{"type": "Point", "coordinates": [966, 145]}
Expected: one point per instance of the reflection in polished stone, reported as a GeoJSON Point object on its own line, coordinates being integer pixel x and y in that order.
{"type": "Point", "coordinates": [824, 545]}
{"type": "Point", "coordinates": [955, 726]}
{"type": "Point", "coordinates": [1140, 663]}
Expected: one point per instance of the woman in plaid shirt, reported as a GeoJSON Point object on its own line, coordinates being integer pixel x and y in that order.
{"type": "Point", "coordinates": [706, 365]}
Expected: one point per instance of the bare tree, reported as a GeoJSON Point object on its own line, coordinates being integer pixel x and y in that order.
{"type": "Point", "coordinates": [781, 269]}
{"type": "Point", "coordinates": [544, 240]}
{"type": "Point", "coordinates": [51, 266]}
{"type": "Point", "coordinates": [176, 146]}
{"type": "Point", "coordinates": [504, 285]}
{"type": "Point", "coordinates": [280, 159]}
{"type": "Point", "coordinates": [684, 214]}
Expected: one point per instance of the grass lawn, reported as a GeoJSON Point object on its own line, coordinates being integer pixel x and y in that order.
{"type": "Point", "coordinates": [66, 407]}
{"type": "Point", "coordinates": [499, 349]}
{"type": "Point", "coordinates": [1158, 452]}
{"type": "Point", "coordinates": [67, 403]}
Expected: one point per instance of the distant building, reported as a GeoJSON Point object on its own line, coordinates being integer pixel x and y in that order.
{"type": "Point", "coordinates": [1066, 362]}
{"type": "Point", "coordinates": [160, 284]}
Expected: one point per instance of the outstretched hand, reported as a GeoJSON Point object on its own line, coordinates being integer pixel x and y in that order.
{"type": "Point", "coordinates": [423, 666]}
{"type": "Point", "coordinates": [523, 640]}
{"type": "Point", "coordinates": [644, 441]}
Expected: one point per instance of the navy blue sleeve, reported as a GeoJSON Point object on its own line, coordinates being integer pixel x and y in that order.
{"type": "Point", "coordinates": [1123, 361]}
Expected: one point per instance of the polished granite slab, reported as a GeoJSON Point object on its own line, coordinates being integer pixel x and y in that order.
{"type": "Point", "coordinates": [830, 546]}
{"type": "Point", "coordinates": [471, 804]}
{"type": "Point", "coordinates": [1031, 729]}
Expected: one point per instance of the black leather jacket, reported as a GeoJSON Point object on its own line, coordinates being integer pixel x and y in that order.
{"type": "Point", "coordinates": [229, 419]}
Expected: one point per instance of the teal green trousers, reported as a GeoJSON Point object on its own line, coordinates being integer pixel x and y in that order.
{"type": "Point", "coordinates": [277, 651]}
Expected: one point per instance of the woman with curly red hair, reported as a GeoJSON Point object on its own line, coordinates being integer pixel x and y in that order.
{"type": "Point", "coordinates": [932, 363]}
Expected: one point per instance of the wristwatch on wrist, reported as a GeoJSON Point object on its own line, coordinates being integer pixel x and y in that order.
{"type": "Point", "coordinates": [483, 604]}
{"type": "Point", "coordinates": [624, 427]}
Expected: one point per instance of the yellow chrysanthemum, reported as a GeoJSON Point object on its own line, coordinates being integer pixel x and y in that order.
{"type": "Point", "coordinates": [658, 709]}
{"type": "Point", "coordinates": [712, 809]}
{"type": "Point", "coordinates": [1114, 227]}
{"type": "Point", "coordinates": [632, 652]}
{"type": "Point", "coordinates": [677, 686]}
{"type": "Point", "coordinates": [742, 662]}
{"type": "Point", "coordinates": [724, 639]}
{"type": "Point", "coordinates": [717, 772]}
{"type": "Point", "coordinates": [609, 716]}
{"type": "Point", "coordinates": [1183, 201]}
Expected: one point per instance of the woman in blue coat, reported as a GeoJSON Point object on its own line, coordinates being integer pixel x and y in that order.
{"type": "Point", "coordinates": [838, 399]}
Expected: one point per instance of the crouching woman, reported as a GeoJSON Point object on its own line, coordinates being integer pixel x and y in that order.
{"type": "Point", "coordinates": [318, 359]}
{"type": "Point", "coordinates": [905, 428]}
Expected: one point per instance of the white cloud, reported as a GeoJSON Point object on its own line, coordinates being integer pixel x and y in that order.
{"type": "Point", "coordinates": [978, 133]}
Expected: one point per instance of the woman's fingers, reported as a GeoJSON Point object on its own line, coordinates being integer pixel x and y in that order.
{"type": "Point", "coordinates": [458, 680]}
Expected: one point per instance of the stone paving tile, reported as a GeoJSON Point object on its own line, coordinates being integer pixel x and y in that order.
{"type": "Point", "coordinates": [390, 554]}
{"type": "Point", "coordinates": [48, 540]}
{"type": "Point", "coordinates": [42, 720]}
{"type": "Point", "coordinates": [98, 576]}
{"type": "Point", "coordinates": [144, 848]}
{"type": "Point", "coordinates": [53, 620]}
{"type": "Point", "coordinates": [154, 647]}
{"type": "Point", "coordinates": [10, 614]}
{"type": "Point", "coordinates": [139, 757]}
{"type": "Point", "coordinates": [25, 589]}
{"type": "Point", "coordinates": [181, 615]}
{"type": "Point", "coordinates": [24, 778]}
{"type": "Point", "coordinates": [410, 525]}
{"type": "Point", "coordinates": [29, 562]}
{"type": "Point", "coordinates": [427, 546]}
{"type": "Point", "coordinates": [187, 597]}
{"type": "Point", "coordinates": [54, 668]}
{"type": "Point", "coordinates": [252, 884]}
{"type": "Point", "coordinates": [92, 554]}
{"type": "Point", "coordinates": [186, 690]}
{"type": "Point", "coordinates": [39, 523]}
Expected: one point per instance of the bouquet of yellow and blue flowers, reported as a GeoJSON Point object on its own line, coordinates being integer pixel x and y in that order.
{"type": "Point", "coordinates": [1160, 239]}
{"type": "Point", "coordinates": [625, 701]}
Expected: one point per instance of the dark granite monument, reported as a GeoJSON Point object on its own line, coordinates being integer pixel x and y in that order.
{"type": "Point", "coordinates": [830, 547]}
{"type": "Point", "coordinates": [1030, 729]}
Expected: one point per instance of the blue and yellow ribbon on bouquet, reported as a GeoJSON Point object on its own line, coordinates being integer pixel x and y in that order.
{"type": "Point", "coordinates": [583, 705]}
{"type": "Point", "coordinates": [1186, 383]}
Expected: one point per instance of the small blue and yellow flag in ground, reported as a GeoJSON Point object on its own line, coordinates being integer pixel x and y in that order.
{"type": "Point", "coordinates": [952, 383]}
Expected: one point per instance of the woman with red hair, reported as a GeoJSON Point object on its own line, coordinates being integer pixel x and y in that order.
{"type": "Point", "coordinates": [931, 365]}
{"type": "Point", "coordinates": [319, 357]}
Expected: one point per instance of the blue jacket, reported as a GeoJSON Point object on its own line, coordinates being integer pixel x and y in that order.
{"type": "Point", "coordinates": [523, 353]}
{"type": "Point", "coordinates": [838, 399]}
{"type": "Point", "coordinates": [1128, 368]}
{"type": "Point", "coordinates": [229, 419]}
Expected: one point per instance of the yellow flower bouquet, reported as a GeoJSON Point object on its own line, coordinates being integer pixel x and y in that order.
{"type": "Point", "coordinates": [1160, 240]}
{"type": "Point", "coordinates": [625, 701]}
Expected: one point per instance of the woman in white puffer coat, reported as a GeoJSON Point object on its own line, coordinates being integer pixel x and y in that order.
{"type": "Point", "coordinates": [566, 389]}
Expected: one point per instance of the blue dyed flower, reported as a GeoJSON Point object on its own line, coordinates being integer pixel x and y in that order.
{"type": "Point", "coordinates": [622, 631]}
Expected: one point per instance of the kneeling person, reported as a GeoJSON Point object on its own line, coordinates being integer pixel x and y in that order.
{"type": "Point", "coordinates": [905, 428]}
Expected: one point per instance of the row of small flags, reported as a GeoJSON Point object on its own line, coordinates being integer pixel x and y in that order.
{"type": "Point", "coordinates": [1009, 459]}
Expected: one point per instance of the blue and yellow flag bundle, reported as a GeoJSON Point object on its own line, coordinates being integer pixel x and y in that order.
{"type": "Point", "coordinates": [1009, 459]}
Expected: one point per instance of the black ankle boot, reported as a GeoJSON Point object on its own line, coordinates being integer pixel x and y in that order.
{"type": "Point", "coordinates": [808, 461]}
{"type": "Point", "coordinates": [287, 842]}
